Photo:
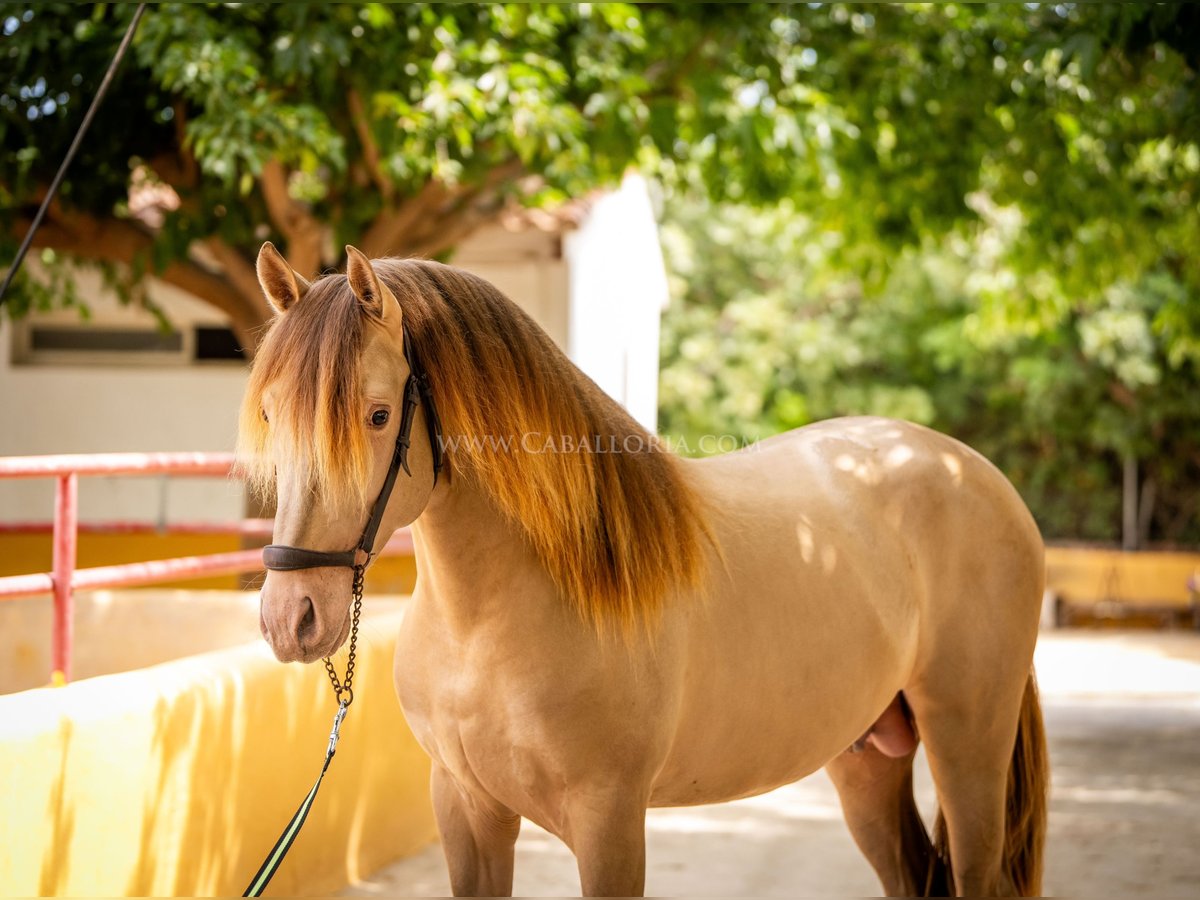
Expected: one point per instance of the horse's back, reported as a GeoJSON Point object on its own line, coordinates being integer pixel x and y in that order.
{"type": "Point", "coordinates": [876, 483]}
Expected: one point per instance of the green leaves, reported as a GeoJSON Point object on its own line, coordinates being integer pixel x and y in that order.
{"type": "Point", "coordinates": [768, 332]}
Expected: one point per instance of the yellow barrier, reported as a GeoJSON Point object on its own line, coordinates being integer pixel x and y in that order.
{"type": "Point", "coordinates": [177, 779]}
{"type": "Point", "coordinates": [1144, 578]}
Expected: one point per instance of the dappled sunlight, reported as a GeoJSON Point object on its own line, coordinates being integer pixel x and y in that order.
{"type": "Point", "coordinates": [808, 546]}
{"type": "Point", "coordinates": [805, 533]}
{"type": "Point", "coordinates": [828, 558]}
{"type": "Point", "coordinates": [177, 779]}
{"type": "Point", "coordinates": [869, 451]}
{"type": "Point", "coordinates": [1119, 770]}
{"type": "Point", "coordinates": [954, 466]}
{"type": "Point", "coordinates": [864, 469]}
{"type": "Point", "coordinates": [845, 463]}
{"type": "Point", "coordinates": [898, 456]}
{"type": "Point", "coordinates": [865, 236]}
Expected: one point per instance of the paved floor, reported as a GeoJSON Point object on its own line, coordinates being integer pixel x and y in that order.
{"type": "Point", "coordinates": [1123, 716]}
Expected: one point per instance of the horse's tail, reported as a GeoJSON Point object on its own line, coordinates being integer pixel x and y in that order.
{"type": "Point", "coordinates": [1025, 810]}
{"type": "Point", "coordinates": [1025, 807]}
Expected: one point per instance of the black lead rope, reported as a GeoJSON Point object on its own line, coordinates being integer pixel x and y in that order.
{"type": "Point", "coordinates": [279, 851]}
{"type": "Point", "coordinates": [343, 691]}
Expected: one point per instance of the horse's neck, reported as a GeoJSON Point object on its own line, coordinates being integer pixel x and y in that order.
{"type": "Point", "coordinates": [470, 560]}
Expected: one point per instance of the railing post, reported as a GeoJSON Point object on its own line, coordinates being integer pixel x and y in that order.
{"type": "Point", "coordinates": [66, 521]}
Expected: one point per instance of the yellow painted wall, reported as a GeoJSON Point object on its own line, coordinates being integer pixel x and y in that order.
{"type": "Point", "coordinates": [177, 779]}
{"type": "Point", "coordinates": [119, 631]}
{"type": "Point", "coordinates": [1144, 578]}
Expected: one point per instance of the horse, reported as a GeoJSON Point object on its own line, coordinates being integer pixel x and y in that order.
{"type": "Point", "coordinates": [600, 626]}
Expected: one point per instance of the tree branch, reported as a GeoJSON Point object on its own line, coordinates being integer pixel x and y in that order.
{"type": "Point", "coordinates": [362, 126]}
{"type": "Point", "coordinates": [121, 241]}
{"type": "Point", "coordinates": [240, 272]}
{"type": "Point", "coordinates": [303, 232]}
{"type": "Point", "coordinates": [415, 224]}
{"type": "Point", "coordinates": [386, 236]}
{"type": "Point", "coordinates": [453, 231]}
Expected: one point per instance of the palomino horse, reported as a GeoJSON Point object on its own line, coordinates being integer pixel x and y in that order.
{"type": "Point", "coordinates": [600, 626]}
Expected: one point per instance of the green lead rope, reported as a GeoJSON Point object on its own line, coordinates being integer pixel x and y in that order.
{"type": "Point", "coordinates": [275, 858]}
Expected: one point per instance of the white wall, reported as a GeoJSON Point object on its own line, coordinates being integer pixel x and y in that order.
{"type": "Point", "coordinates": [528, 269]}
{"type": "Point", "coordinates": [91, 409]}
{"type": "Point", "coordinates": [618, 291]}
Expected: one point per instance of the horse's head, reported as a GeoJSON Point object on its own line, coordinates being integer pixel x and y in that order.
{"type": "Point", "coordinates": [318, 430]}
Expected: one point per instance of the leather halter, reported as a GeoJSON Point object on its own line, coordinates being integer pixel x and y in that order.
{"type": "Point", "coordinates": [282, 558]}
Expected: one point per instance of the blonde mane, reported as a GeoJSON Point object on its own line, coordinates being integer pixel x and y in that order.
{"type": "Point", "coordinates": [607, 510]}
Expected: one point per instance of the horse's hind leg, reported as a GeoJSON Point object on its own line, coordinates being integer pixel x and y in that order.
{"type": "Point", "coordinates": [877, 800]}
{"type": "Point", "coordinates": [969, 736]}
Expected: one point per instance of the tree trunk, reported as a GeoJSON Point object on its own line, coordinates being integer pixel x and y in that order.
{"type": "Point", "coordinates": [1129, 505]}
{"type": "Point", "coordinates": [1146, 510]}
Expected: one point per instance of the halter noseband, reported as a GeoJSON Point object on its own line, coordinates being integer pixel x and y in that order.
{"type": "Point", "coordinates": [282, 558]}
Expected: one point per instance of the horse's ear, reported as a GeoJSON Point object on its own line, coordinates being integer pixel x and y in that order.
{"type": "Point", "coordinates": [280, 282]}
{"type": "Point", "coordinates": [375, 297]}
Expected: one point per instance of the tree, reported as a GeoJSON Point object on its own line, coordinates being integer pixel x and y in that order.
{"type": "Point", "coordinates": [1003, 247]}
{"type": "Point", "coordinates": [400, 128]}
{"type": "Point", "coordinates": [764, 335]}
{"type": "Point", "coordinates": [403, 127]}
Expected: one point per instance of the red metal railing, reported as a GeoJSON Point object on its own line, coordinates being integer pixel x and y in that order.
{"type": "Point", "coordinates": [64, 579]}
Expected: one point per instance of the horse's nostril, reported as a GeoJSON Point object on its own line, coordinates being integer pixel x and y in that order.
{"type": "Point", "coordinates": [308, 620]}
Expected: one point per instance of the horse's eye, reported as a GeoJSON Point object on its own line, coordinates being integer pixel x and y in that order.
{"type": "Point", "coordinates": [379, 418]}
{"type": "Point", "coordinates": [266, 418]}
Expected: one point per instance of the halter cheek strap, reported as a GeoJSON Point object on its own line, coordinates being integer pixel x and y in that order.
{"type": "Point", "coordinates": [417, 392]}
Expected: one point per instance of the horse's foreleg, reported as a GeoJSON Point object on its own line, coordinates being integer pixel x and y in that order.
{"type": "Point", "coordinates": [609, 840]}
{"type": "Point", "coordinates": [478, 839]}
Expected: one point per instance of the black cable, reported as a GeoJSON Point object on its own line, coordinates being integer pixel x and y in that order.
{"type": "Point", "coordinates": [62, 170]}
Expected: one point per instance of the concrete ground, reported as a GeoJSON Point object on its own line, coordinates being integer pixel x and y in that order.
{"type": "Point", "coordinates": [1123, 716]}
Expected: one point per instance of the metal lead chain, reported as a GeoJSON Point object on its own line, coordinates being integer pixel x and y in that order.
{"type": "Point", "coordinates": [340, 688]}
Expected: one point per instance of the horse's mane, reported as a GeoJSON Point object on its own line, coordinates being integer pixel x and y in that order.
{"type": "Point", "coordinates": [617, 529]}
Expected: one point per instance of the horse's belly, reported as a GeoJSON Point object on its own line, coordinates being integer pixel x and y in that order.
{"type": "Point", "coordinates": [688, 781]}
{"type": "Point", "coordinates": [748, 780]}
{"type": "Point", "coordinates": [775, 692]}
{"type": "Point", "coordinates": [750, 758]}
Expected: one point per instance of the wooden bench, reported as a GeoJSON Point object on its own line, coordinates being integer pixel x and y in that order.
{"type": "Point", "coordinates": [1093, 583]}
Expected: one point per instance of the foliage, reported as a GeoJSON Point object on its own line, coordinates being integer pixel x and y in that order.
{"type": "Point", "coordinates": [999, 239]}
{"type": "Point", "coordinates": [765, 335]}
{"type": "Point", "coordinates": [401, 126]}
{"type": "Point", "coordinates": [405, 126]}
